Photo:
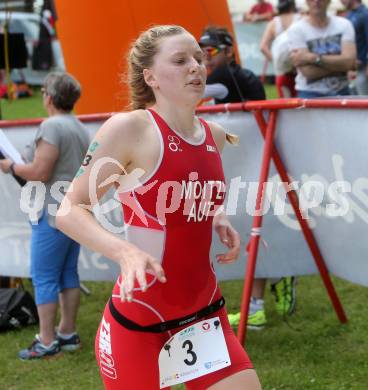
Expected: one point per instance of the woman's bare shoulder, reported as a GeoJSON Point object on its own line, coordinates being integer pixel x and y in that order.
{"type": "Point", "coordinates": [124, 127]}
{"type": "Point", "coordinates": [127, 122]}
{"type": "Point", "coordinates": [218, 134]}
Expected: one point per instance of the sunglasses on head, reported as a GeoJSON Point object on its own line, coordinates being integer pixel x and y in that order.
{"type": "Point", "coordinates": [211, 50]}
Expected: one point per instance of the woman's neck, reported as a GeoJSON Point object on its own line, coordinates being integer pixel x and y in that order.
{"type": "Point", "coordinates": [182, 119]}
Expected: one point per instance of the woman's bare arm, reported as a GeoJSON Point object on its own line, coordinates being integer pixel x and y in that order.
{"type": "Point", "coordinates": [227, 234]}
{"type": "Point", "coordinates": [107, 159]}
{"type": "Point", "coordinates": [267, 38]}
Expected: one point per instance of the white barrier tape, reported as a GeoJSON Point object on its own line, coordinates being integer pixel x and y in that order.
{"type": "Point", "coordinates": [255, 232]}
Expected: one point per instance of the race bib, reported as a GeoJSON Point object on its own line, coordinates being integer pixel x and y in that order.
{"type": "Point", "coordinates": [197, 350]}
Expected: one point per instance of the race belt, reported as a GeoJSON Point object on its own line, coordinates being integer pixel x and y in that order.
{"type": "Point", "coordinates": [167, 325]}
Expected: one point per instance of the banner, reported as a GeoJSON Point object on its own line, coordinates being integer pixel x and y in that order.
{"type": "Point", "coordinates": [324, 152]}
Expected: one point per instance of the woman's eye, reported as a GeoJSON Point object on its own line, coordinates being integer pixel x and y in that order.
{"type": "Point", "coordinates": [180, 61]}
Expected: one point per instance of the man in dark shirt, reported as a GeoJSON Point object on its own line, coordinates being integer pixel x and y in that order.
{"type": "Point", "coordinates": [227, 81]}
{"type": "Point", "coordinates": [358, 15]}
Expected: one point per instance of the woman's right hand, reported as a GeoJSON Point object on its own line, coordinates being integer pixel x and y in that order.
{"type": "Point", "coordinates": [134, 264]}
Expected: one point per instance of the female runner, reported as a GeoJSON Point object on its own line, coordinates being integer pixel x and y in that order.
{"type": "Point", "coordinates": [165, 162]}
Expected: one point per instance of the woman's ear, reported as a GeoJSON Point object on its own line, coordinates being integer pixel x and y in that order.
{"type": "Point", "coordinates": [149, 78]}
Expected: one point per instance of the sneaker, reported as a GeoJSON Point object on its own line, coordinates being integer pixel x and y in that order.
{"type": "Point", "coordinates": [285, 294]}
{"type": "Point", "coordinates": [234, 319]}
{"type": "Point", "coordinates": [70, 344]}
{"type": "Point", "coordinates": [257, 320]}
{"type": "Point", "coordinates": [39, 351]}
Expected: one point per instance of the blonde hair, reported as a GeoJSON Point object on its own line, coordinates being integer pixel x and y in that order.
{"type": "Point", "coordinates": [232, 139]}
{"type": "Point", "coordinates": [141, 57]}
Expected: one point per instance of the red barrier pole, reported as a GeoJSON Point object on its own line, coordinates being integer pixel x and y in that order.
{"type": "Point", "coordinates": [257, 223]}
{"type": "Point", "coordinates": [309, 237]}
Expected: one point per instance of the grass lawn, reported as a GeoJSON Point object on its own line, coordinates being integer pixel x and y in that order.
{"type": "Point", "coordinates": [23, 108]}
{"type": "Point", "coordinates": [311, 351]}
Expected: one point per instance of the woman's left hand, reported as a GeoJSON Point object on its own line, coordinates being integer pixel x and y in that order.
{"type": "Point", "coordinates": [5, 165]}
{"type": "Point", "coordinates": [229, 237]}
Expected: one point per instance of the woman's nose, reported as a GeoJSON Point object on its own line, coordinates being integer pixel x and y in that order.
{"type": "Point", "coordinates": [194, 65]}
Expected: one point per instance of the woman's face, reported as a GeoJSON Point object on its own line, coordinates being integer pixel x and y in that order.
{"type": "Point", "coordinates": [178, 72]}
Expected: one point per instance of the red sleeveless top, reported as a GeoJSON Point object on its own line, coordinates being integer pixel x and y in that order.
{"type": "Point", "coordinates": [170, 216]}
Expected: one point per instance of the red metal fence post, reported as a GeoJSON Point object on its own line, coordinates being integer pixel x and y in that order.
{"type": "Point", "coordinates": [257, 223]}
{"type": "Point", "coordinates": [308, 235]}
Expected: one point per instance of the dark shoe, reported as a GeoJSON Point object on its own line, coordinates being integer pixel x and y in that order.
{"type": "Point", "coordinates": [39, 351]}
{"type": "Point", "coordinates": [73, 343]}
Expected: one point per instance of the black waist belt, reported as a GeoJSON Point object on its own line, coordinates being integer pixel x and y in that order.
{"type": "Point", "coordinates": [167, 325]}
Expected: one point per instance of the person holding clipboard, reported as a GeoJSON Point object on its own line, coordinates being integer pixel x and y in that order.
{"type": "Point", "coordinates": [21, 181]}
{"type": "Point", "coordinates": [56, 154]}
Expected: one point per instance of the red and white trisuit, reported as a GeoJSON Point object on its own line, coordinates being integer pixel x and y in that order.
{"type": "Point", "coordinates": [170, 217]}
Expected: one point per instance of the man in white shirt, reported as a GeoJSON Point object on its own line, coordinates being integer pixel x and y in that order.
{"type": "Point", "coordinates": [323, 51]}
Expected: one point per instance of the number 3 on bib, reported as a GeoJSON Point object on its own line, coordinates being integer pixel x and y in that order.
{"type": "Point", "coordinates": [196, 350]}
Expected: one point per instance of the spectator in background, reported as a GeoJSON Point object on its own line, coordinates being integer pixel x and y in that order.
{"type": "Point", "coordinates": [42, 56]}
{"type": "Point", "coordinates": [56, 154]}
{"type": "Point", "coordinates": [358, 15]}
{"type": "Point", "coordinates": [227, 81]}
{"type": "Point", "coordinates": [275, 47]}
{"type": "Point", "coordinates": [259, 12]}
{"type": "Point", "coordinates": [323, 51]}
{"type": "Point", "coordinates": [275, 37]}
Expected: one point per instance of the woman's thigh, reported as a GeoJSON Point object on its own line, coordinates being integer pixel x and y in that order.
{"type": "Point", "coordinates": [127, 359]}
{"type": "Point", "coordinates": [243, 380]}
{"type": "Point", "coordinates": [240, 361]}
